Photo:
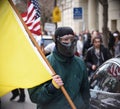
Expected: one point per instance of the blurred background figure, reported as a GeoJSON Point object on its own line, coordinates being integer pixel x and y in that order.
{"type": "Point", "coordinates": [86, 42]}
{"type": "Point", "coordinates": [96, 55]}
{"type": "Point", "coordinates": [111, 43]}
{"type": "Point", "coordinates": [116, 34]}
{"type": "Point", "coordinates": [79, 46]}
{"type": "Point", "coordinates": [49, 48]}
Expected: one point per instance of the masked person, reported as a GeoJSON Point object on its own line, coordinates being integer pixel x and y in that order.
{"type": "Point", "coordinates": [70, 72]}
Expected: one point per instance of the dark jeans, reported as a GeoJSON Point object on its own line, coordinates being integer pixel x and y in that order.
{"type": "Point", "coordinates": [0, 103]}
{"type": "Point", "coordinates": [19, 92]}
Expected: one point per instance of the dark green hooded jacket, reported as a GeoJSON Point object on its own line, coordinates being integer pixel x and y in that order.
{"type": "Point", "coordinates": [74, 75]}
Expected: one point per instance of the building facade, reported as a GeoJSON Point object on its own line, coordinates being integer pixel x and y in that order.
{"type": "Point", "coordinates": [88, 14]}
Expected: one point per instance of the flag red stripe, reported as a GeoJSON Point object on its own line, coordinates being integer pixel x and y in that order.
{"type": "Point", "coordinates": [31, 21]}
{"type": "Point", "coordinates": [29, 15]}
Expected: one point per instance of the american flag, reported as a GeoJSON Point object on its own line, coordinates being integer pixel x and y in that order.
{"type": "Point", "coordinates": [32, 17]}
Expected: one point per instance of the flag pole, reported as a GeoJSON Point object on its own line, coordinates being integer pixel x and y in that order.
{"type": "Point", "coordinates": [41, 53]}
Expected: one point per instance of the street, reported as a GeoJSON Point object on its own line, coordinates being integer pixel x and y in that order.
{"type": "Point", "coordinates": [7, 104]}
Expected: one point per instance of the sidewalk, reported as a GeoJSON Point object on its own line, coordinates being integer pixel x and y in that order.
{"type": "Point", "coordinates": [7, 104]}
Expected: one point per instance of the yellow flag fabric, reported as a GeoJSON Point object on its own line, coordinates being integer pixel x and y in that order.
{"type": "Point", "coordinates": [21, 66]}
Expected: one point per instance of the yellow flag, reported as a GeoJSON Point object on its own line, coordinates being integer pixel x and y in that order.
{"type": "Point", "coordinates": [21, 66]}
{"type": "Point", "coordinates": [56, 14]}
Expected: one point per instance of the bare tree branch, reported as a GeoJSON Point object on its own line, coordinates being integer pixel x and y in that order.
{"type": "Point", "coordinates": [104, 3]}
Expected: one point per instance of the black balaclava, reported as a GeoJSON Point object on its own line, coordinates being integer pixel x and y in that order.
{"type": "Point", "coordinates": [64, 49]}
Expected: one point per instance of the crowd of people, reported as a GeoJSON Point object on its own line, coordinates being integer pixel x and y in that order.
{"type": "Point", "coordinates": [94, 52]}
{"type": "Point", "coordinates": [90, 47]}
{"type": "Point", "coordinates": [113, 41]}
{"type": "Point", "coordinates": [74, 58]}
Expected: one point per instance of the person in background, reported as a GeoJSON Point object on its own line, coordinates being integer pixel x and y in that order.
{"type": "Point", "coordinates": [79, 47]}
{"type": "Point", "coordinates": [18, 92]}
{"type": "Point", "coordinates": [111, 43]}
{"type": "Point", "coordinates": [95, 33]}
{"type": "Point", "coordinates": [86, 43]}
{"type": "Point", "coordinates": [117, 43]}
{"type": "Point", "coordinates": [70, 72]}
{"type": "Point", "coordinates": [96, 55]}
{"type": "Point", "coordinates": [49, 48]}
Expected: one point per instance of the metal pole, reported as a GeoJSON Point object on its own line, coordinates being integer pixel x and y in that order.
{"type": "Point", "coordinates": [55, 4]}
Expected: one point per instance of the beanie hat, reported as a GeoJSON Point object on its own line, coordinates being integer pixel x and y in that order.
{"type": "Point", "coordinates": [61, 31]}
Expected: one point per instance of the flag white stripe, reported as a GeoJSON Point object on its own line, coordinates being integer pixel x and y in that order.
{"type": "Point", "coordinates": [34, 23]}
{"type": "Point", "coordinates": [37, 28]}
{"type": "Point", "coordinates": [29, 10]}
{"type": "Point", "coordinates": [31, 17]}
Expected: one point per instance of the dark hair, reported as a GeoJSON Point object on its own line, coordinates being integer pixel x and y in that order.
{"type": "Point", "coordinates": [97, 37]}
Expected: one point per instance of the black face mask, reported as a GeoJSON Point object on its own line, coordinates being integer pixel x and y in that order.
{"type": "Point", "coordinates": [67, 49]}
